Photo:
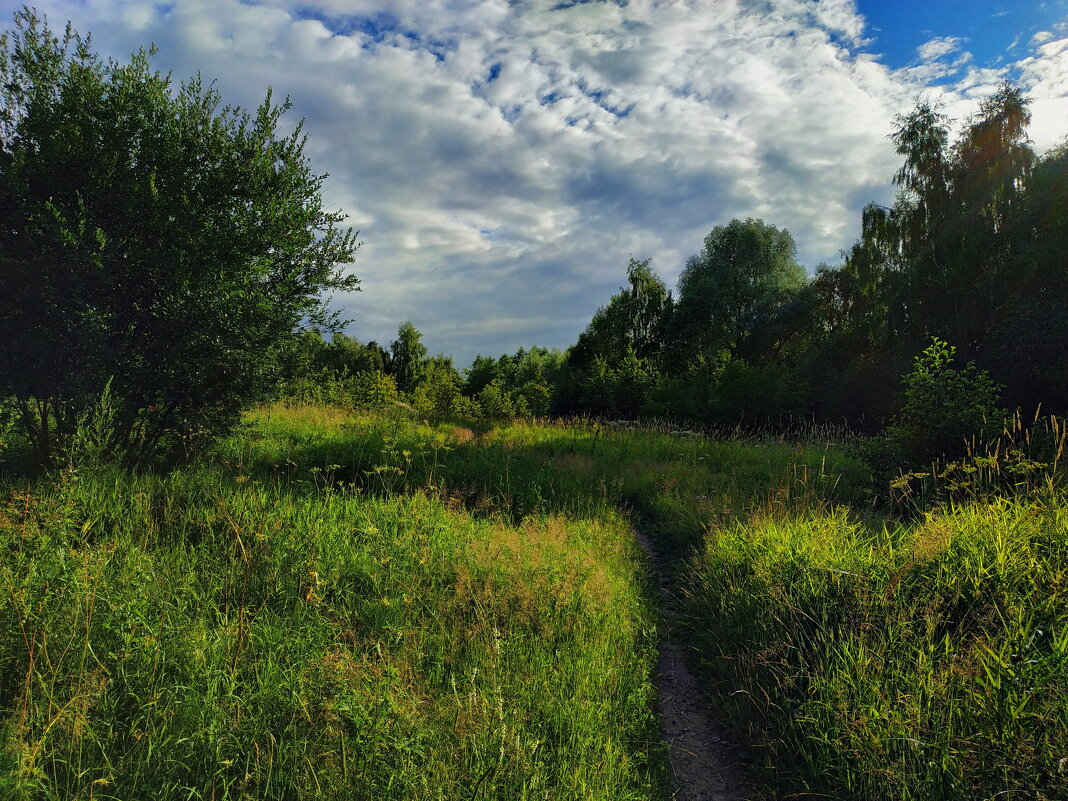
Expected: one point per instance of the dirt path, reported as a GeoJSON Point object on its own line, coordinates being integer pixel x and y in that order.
{"type": "Point", "coordinates": [704, 766]}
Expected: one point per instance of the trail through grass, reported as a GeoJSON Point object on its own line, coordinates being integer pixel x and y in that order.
{"type": "Point", "coordinates": [366, 606]}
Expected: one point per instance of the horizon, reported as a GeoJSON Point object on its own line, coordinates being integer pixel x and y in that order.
{"type": "Point", "coordinates": [540, 145]}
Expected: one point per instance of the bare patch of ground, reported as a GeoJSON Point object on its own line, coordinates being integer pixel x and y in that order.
{"type": "Point", "coordinates": [704, 764]}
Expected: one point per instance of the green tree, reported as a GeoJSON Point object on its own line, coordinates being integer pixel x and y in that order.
{"type": "Point", "coordinates": [408, 357]}
{"type": "Point", "coordinates": [345, 354]}
{"type": "Point", "coordinates": [153, 242]}
{"type": "Point", "coordinates": [944, 407]}
{"type": "Point", "coordinates": [733, 298]}
{"type": "Point", "coordinates": [482, 372]}
{"type": "Point", "coordinates": [634, 322]}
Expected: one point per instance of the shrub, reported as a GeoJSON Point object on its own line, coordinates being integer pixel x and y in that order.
{"type": "Point", "coordinates": [948, 414]}
{"type": "Point", "coordinates": [495, 402]}
{"type": "Point", "coordinates": [374, 390]}
{"type": "Point", "coordinates": [944, 408]}
{"type": "Point", "coordinates": [153, 242]}
{"type": "Point", "coordinates": [438, 395]}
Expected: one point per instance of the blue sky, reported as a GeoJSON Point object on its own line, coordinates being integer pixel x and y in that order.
{"type": "Point", "coordinates": [502, 159]}
{"type": "Point", "coordinates": [991, 31]}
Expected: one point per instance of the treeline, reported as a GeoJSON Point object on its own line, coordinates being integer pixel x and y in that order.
{"type": "Point", "coordinates": [160, 251]}
{"type": "Point", "coordinates": [972, 254]}
{"type": "Point", "coordinates": [343, 371]}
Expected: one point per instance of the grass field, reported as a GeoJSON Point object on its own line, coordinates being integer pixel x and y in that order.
{"type": "Point", "coordinates": [365, 606]}
{"type": "Point", "coordinates": [208, 634]}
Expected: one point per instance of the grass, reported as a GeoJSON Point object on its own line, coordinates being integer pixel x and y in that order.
{"type": "Point", "coordinates": [210, 635]}
{"type": "Point", "coordinates": [673, 483]}
{"type": "Point", "coordinates": [925, 660]}
{"type": "Point", "coordinates": [357, 606]}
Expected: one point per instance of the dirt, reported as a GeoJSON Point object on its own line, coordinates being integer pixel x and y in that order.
{"type": "Point", "coordinates": [704, 763]}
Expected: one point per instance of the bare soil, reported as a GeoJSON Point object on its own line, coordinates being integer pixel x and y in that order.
{"type": "Point", "coordinates": [704, 763]}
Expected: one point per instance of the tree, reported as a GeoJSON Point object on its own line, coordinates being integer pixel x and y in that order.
{"type": "Point", "coordinates": [633, 322]}
{"type": "Point", "coordinates": [482, 372]}
{"type": "Point", "coordinates": [408, 357]}
{"type": "Point", "coordinates": [733, 297]}
{"type": "Point", "coordinates": [944, 407]}
{"type": "Point", "coordinates": [152, 241]}
{"type": "Point", "coordinates": [344, 354]}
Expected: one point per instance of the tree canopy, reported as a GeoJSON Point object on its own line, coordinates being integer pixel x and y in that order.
{"type": "Point", "coordinates": [732, 295]}
{"type": "Point", "coordinates": [634, 319]}
{"type": "Point", "coordinates": [152, 241]}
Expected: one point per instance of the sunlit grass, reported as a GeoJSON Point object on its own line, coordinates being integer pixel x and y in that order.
{"type": "Point", "coordinates": [352, 605]}
{"type": "Point", "coordinates": [927, 660]}
{"type": "Point", "coordinates": [214, 635]}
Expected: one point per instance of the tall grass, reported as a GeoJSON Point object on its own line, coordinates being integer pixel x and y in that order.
{"type": "Point", "coordinates": [368, 606]}
{"type": "Point", "coordinates": [926, 660]}
{"type": "Point", "coordinates": [208, 634]}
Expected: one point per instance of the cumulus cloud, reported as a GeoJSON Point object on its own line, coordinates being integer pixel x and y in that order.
{"type": "Point", "coordinates": [938, 47]}
{"type": "Point", "coordinates": [503, 158]}
{"type": "Point", "coordinates": [1045, 77]}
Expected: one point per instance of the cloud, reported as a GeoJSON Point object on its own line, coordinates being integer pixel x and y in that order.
{"type": "Point", "coordinates": [503, 158]}
{"type": "Point", "coordinates": [1045, 77]}
{"type": "Point", "coordinates": [939, 47]}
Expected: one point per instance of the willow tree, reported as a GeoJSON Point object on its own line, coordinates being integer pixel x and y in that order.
{"type": "Point", "coordinates": [154, 243]}
{"type": "Point", "coordinates": [735, 298]}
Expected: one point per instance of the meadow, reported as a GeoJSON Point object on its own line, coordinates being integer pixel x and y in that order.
{"type": "Point", "coordinates": [343, 604]}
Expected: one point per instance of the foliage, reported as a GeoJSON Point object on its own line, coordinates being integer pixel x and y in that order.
{"type": "Point", "coordinates": [617, 391]}
{"type": "Point", "coordinates": [730, 394]}
{"type": "Point", "coordinates": [1024, 458]}
{"type": "Point", "coordinates": [408, 355]}
{"type": "Point", "coordinates": [732, 297]}
{"type": "Point", "coordinates": [634, 321]}
{"type": "Point", "coordinates": [438, 396]}
{"type": "Point", "coordinates": [494, 401]}
{"type": "Point", "coordinates": [528, 382]}
{"type": "Point", "coordinates": [152, 240]}
{"type": "Point", "coordinates": [944, 409]}
{"type": "Point", "coordinates": [374, 390]}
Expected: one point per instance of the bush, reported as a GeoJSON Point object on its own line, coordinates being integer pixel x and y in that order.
{"type": "Point", "coordinates": [153, 242]}
{"type": "Point", "coordinates": [438, 397]}
{"type": "Point", "coordinates": [495, 402]}
{"type": "Point", "coordinates": [374, 390]}
{"type": "Point", "coordinates": [945, 411]}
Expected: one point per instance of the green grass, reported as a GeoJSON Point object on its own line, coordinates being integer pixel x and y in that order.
{"type": "Point", "coordinates": [926, 660]}
{"type": "Point", "coordinates": [210, 635]}
{"type": "Point", "coordinates": [676, 484]}
{"type": "Point", "coordinates": [342, 605]}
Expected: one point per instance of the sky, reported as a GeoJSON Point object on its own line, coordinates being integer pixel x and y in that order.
{"type": "Point", "coordinates": [503, 159]}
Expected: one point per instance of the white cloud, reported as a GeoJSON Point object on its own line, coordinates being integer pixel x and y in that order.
{"type": "Point", "coordinates": [502, 159]}
{"type": "Point", "coordinates": [938, 47]}
{"type": "Point", "coordinates": [1045, 77]}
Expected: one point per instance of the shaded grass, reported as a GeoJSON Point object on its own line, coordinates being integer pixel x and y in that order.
{"type": "Point", "coordinates": [202, 635]}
